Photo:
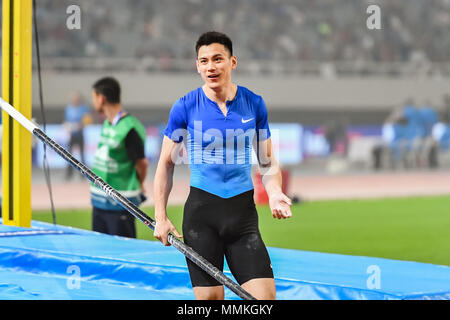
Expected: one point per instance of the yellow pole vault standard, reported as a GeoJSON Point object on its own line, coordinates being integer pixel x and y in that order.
{"type": "Point", "coordinates": [16, 89]}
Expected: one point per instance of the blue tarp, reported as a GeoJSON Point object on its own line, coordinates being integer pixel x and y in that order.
{"type": "Point", "coordinates": [55, 262]}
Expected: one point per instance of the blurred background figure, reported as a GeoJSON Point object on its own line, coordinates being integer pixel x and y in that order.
{"type": "Point", "coordinates": [410, 116]}
{"type": "Point", "coordinates": [439, 143]}
{"type": "Point", "coordinates": [399, 132]}
{"type": "Point", "coordinates": [408, 132]}
{"type": "Point", "coordinates": [445, 117]}
{"type": "Point", "coordinates": [76, 117]}
{"type": "Point", "coordinates": [427, 151]}
{"type": "Point", "coordinates": [336, 135]}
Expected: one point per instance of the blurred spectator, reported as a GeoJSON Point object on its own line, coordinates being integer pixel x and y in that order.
{"type": "Point", "coordinates": [427, 149]}
{"type": "Point", "coordinates": [336, 135]}
{"type": "Point", "coordinates": [410, 127]}
{"type": "Point", "coordinates": [399, 133]}
{"type": "Point", "coordinates": [446, 115]}
{"type": "Point", "coordinates": [429, 117]}
{"type": "Point", "coordinates": [440, 134]}
{"type": "Point", "coordinates": [414, 125]}
{"type": "Point", "coordinates": [76, 116]}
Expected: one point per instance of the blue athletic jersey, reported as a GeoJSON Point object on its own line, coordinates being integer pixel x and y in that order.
{"type": "Point", "coordinates": [413, 127]}
{"type": "Point", "coordinates": [429, 118]}
{"type": "Point", "coordinates": [219, 146]}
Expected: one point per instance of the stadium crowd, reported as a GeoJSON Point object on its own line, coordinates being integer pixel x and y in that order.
{"type": "Point", "coordinates": [292, 30]}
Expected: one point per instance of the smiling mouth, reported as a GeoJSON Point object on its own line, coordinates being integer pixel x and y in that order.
{"type": "Point", "coordinates": [213, 76]}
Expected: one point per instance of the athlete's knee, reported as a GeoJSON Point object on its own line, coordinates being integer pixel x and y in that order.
{"type": "Point", "coordinates": [261, 288]}
{"type": "Point", "coordinates": [209, 293]}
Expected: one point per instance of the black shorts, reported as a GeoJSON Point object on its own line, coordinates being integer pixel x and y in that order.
{"type": "Point", "coordinates": [119, 223]}
{"type": "Point", "coordinates": [216, 227]}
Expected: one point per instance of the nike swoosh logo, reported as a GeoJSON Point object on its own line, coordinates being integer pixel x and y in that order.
{"type": "Point", "coordinates": [245, 121]}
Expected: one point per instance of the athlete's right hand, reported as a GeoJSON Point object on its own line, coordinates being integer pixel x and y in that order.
{"type": "Point", "coordinates": [162, 229]}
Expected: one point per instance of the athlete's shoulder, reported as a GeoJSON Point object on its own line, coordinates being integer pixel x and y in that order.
{"type": "Point", "coordinates": [253, 100]}
{"type": "Point", "coordinates": [191, 97]}
{"type": "Point", "coordinates": [250, 95]}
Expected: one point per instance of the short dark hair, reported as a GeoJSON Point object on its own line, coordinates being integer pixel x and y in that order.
{"type": "Point", "coordinates": [109, 87]}
{"type": "Point", "coordinates": [210, 37]}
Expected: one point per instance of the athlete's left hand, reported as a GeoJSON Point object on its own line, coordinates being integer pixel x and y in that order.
{"type": "Point", "coordinates": [280, 205]}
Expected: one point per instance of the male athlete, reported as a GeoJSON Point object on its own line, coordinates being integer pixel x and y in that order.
{"type": "Point", "coordinates": [219, 122]}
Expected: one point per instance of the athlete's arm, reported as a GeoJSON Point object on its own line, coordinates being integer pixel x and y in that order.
{"type": "Point", "coordinates": [141, 166]}
{"type": "Point", "coordinates": [136, 152]}
{"type": "Point", "coordinates": [162, 186]}
{"type": "Point", "coordinates": [272, 180]}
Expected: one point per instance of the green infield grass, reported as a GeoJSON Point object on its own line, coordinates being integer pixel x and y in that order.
{"type": "Point", "coordinates": [414, 229]}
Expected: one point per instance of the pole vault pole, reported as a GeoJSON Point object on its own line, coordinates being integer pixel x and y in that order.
{"type": "Point", "coordinates": [124, 202]}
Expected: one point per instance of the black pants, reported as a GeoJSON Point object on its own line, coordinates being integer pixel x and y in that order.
{"type": "Point", "coordinates": [119, 223]}
{"type": "Point", "coordinates": [76, 139]}
{"type": "Point", "coordinates": [216, 227]}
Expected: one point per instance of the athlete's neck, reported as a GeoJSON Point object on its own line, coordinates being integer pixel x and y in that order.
{"type": "Point", "coordinates": [111, 111]}
{"type": "Point", "coordinates": [221, 94]}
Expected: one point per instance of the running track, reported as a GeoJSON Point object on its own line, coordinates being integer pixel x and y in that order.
{"type": "Point", "coordinates": [75, 193]}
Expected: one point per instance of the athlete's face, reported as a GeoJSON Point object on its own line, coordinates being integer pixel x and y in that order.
{"type": "Point", "coordinates": [214, 63]}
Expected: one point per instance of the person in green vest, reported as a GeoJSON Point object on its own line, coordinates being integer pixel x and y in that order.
{"type": "Point", "coordinates": [119, 160]}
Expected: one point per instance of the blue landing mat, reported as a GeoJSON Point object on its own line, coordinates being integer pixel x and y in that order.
{"type": "Point", "coordinates": [56, 262]}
